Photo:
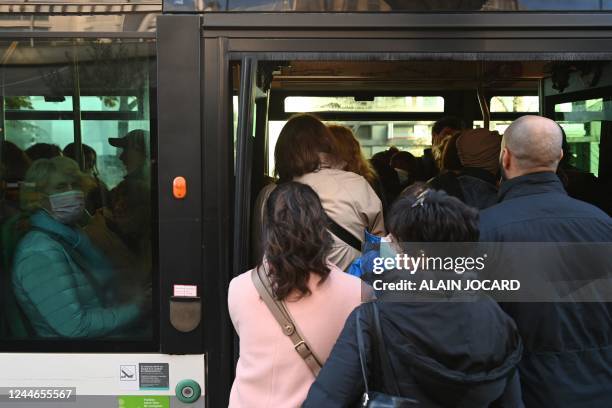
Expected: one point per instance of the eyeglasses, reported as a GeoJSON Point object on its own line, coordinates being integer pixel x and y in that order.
{"type": "Point", "coordinates": [420, 200]}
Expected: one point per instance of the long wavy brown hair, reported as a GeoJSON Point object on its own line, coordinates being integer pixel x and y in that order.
{"type": "Point", "coordinates": [296, 240]}
{"type": "Point", "coordinates": [348, 150]}
{"type": "Point", "coordinates": [297, 150]}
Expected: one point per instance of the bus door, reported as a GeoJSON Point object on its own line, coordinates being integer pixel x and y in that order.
{"type": "Point", "coordinates": [228, 56]}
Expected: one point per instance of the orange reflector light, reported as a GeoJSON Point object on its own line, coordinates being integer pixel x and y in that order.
{"type": "Point", "coordinates": [179, 187]}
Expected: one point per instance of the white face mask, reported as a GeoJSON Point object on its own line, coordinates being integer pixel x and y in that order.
{"type": "Point", "coordinates": [67, 207]}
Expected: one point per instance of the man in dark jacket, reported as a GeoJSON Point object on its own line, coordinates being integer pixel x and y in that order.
{"type": "Point", "coordinates": [568, 346]}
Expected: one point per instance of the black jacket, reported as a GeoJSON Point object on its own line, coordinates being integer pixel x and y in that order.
{"type": "Point", "coordinates": [460, 354]}
{"type": "Point", "coordinates": [568, 346]}
{"type": "Point", "coordinates": [474, 186]}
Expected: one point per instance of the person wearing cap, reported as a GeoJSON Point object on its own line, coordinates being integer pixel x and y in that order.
{"type": "Point", "coordinates": [134, 153]}
{"type": "Point", "coordinates": [130, 202]}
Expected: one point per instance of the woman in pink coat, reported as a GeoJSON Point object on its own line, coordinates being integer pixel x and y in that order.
{"type": "Point", "coordinates": [317, 294]}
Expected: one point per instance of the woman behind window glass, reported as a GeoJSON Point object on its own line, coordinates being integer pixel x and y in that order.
{"type": "Point", "coordinates": [62, 282]}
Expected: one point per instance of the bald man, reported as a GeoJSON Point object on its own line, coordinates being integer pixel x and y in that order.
{"type": "Point", "coordinates": [568, 346]}
{"type": "Point", "coordinates": [531, 144]}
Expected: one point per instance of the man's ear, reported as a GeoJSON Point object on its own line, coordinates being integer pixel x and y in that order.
{"type": "Point", "coordinates": [506, 158]}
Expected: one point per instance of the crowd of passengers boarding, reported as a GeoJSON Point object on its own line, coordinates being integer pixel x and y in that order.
{"type": "Point", "coordinates": [76, 257]}
{"type": "Point", "coordinates": [306, 338]}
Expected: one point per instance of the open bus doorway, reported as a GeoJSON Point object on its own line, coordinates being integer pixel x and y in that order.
{"type": "Point", "coordinates": [394, 105]}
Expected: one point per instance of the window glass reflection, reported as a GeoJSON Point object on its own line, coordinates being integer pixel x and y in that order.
{"type": "Point", "coordinates": [375, 104]}
{"type": "Point", "coordinates": [404, 5]}
{"type": "Point", "coordinates": [515, 104]}
{"type": "Point", "coordinates": [75, 190]}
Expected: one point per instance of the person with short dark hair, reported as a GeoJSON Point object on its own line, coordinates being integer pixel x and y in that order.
{"type": "Point", "coordinates": [568, 346]}
{"type": "Point", "coordinates": [318, 295]}
{"type": "Point", "coordinates": [444, 127]}
{"type": "Point", "coordinates": [442, 353]}
{"type": "Point", "coordinates": [440, 131]}
{"type": "Point", "coordinates": [406, 166]}
{"type": "Point", "coordinates": [98, 196]}
{"type": "Point", "coordinates": [43, 151]}
{"type": "Point", "coordinates": [305, 152]}
{"type": "Point", "coordinates": [389, 178]}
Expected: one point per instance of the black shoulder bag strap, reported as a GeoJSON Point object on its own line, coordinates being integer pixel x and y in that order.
{"type": "Point", "coordinates": [388, 377]}
{"type": "Point", "coordinates": [388, 374]}
{"type": "Point", "coordinates": [362, 354]}
{"type": "Point", "coordinates": [343, 234]}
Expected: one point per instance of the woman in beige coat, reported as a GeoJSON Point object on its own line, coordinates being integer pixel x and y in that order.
{"type": "Point", "coordinates": [305, 152]}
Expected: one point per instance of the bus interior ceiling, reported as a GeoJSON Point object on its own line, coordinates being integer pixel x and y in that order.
{"type": "Point", "coordinates": [395, 103]}
{"type": "Point", "coordinates": [438, 88]}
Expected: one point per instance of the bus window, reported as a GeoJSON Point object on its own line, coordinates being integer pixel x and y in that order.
{"type": "Point", "coordinates": [403, 5]}
{"type": "Point", "coordinates": [76, 207]}
{"type": "Point", "coordinates": [503, 104]}
{"type": "Point", "coordinates": [498, 125]}
{"type": "Point", "coordinates": [515, 105]}
{"type": "Point", "coordinates": [374, 104]}
{"type": "Point", "coordinates": [581, 121]}
{"type": "Point", "coordinates": [374, 135]}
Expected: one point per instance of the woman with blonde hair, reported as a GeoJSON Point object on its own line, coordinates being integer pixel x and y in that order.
{"type": "Point", "coordinates": [349, 151]}
{"type": "Point", "coordinates": [62, 282]}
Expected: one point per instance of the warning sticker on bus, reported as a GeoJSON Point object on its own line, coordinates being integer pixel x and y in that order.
{"type": "Point", "coordinates": [185, 291]}
{"type": "Point", "coordinates": [154, 376]}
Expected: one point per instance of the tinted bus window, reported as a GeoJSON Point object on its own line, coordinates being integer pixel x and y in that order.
{"type": "Point", "coordinates": [75, 191]}
{"type": "Point", "coordinates": [505, 104]}
{"type": "Point", "coordinates": [376, 104]}
{"type": "Point", "coordinates": [582, 123]}
{"type": "Point", "coordinates": [398, 5]}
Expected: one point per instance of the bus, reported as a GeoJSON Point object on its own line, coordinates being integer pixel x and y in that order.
{"type": "Point", "coordinates": [171, 111]}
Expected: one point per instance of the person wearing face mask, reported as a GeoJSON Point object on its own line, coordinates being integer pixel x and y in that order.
{"type": "Point", "coordinates": [61, 281]}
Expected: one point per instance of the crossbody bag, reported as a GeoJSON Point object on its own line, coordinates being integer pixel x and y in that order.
{"type": "Point", "coordinates": [377, 399]}
{"type": "Point", "coordinates": [281, 314]}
